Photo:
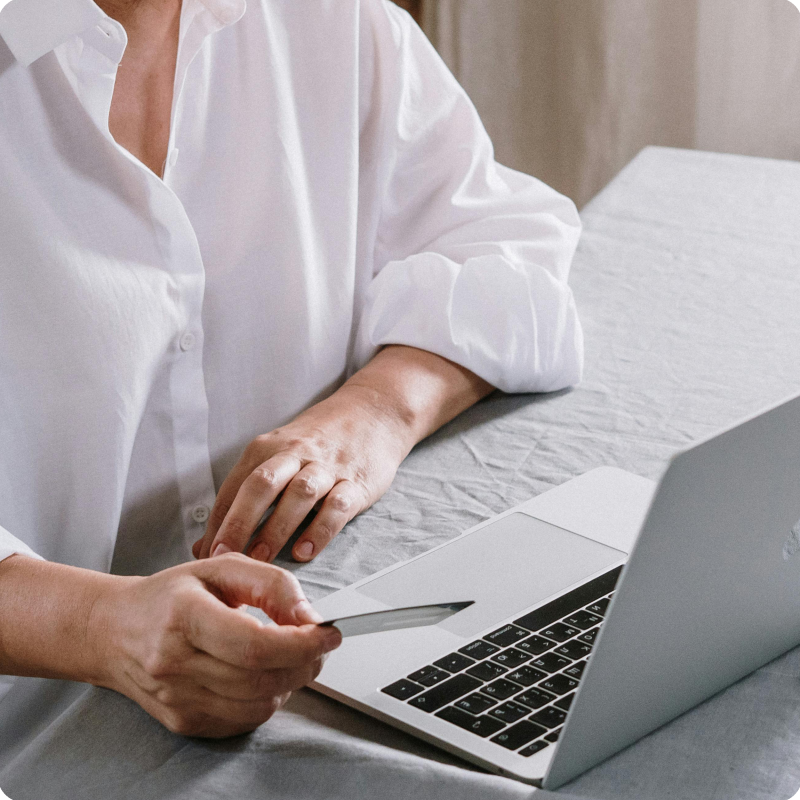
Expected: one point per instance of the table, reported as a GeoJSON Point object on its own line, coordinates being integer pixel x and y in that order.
{"type": "Point", "coordinates": [688, 282]}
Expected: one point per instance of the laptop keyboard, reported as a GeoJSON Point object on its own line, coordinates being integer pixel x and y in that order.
{"type": "Point", "coordinates": [515, 685]}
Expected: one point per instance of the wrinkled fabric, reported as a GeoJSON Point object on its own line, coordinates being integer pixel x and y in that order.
{"type": "Point", "coordinates": [688, 279]}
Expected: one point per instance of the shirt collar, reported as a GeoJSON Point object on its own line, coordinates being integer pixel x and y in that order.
{"type": "Point", "coordinates": [226, 11]}
{"type": "Point", "coordinates": [32, 28]}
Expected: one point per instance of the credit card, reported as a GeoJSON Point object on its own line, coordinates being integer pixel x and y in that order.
{"type": "Point", "coordinates": [396, 618]}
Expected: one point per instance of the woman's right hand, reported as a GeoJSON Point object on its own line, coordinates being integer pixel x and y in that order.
{"type": "Point", "coordinates": [174, 642]}
{"type": "Point", "coordinates": [177, 644]}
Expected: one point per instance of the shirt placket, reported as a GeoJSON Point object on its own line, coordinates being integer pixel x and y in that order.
{"type": "Point", "coordinates": [182, 251]}
{"type": "Point", "coordinates": [102, 48]}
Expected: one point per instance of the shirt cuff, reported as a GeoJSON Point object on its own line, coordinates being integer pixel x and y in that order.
{"type": "Point", "coordinates": [10, 545]}
{"type": "Point", "coordinates": [514, 325]}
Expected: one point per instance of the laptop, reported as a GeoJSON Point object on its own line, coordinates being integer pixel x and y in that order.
{"type": "Point", "coordinates": [603, 609]}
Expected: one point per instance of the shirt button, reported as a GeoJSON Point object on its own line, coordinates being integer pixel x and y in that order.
{"type": "Point", "coordinates": [187, 341]}
{"type": "Point", "coordinates": [173, 156]}
{"type": "Point", "coordinates": [200, 514]}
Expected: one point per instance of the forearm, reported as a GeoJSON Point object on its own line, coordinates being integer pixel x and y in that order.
{"type": "Point", "coordinates": [420, 390]}
{"type": "Point", "coordinates": [46, 620]}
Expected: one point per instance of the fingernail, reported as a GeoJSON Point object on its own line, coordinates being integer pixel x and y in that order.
{"type": "Point", "coordinates": [305, 550]}
{"type": "Point", "coordinates": [333, 638]}
{"type": "Point", "coordinates": [260, 552]}
{"type": "Point", "coordinates": [221, 549]}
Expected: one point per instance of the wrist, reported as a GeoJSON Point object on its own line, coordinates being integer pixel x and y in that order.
{"type": "Point", "coordinates": [47, 620]}
{"type": "Point", "coordinates": [417, 391]}
{"type": "Point", "coordinates": [101, 626]}
{"type": "Point", "coordinates": [386, 408]}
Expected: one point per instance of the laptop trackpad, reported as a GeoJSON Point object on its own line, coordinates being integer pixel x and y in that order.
{"type": "Point", "coordinates": [505, 567]}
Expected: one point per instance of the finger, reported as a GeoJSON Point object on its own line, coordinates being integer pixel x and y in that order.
{"type": "Point", "coordinates": [263, 684]}
{"type": "Point", "coordinates": [310, 484]}
{"type": "Point", "coordinates": [241, 640]}
{"type": "Point", "coordinates": [192, 710]}
{"type": "Point", "coordinates": [343, 502]}
{"type": "Point", "coordinates": [256, 494]}
{"type": "Point", "coordinates": [225, 497]}
{"type": "Point", "coordinates": [239, 580]}
{"type": "Point", "coordinates": [261, 647]}
{"type": "Point", "coordinates": [238, 683]}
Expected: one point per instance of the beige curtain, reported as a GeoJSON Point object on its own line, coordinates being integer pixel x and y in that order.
{"type": "Point", "coordinates": [571, 90]}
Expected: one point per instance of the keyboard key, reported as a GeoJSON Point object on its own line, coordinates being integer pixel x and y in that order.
{"type": "Point", "coordinates": [553, 735]}
{"type": "Point", "coordinates": [570, 602]}
{"type": "Point", "coordinates": [455, 662]}
{"type": "Point", "coordinates": [486, 671]}
{"type": "Point", "coordinates": [428, 676]}
{"type": "Point", "coordinates": [534, 748]}
{"type": "Point", "coordinates": [476, 703]}
{"type": "Point", "coordinates": [599, 607]}
{"type": "Point", "coordinates": [535, 645]}
{"type": "Point", "coordinates": [501, 689]}
{"type": "Point", "coordinates": [479, 650]}
{"type": "Point", "coordinates": [402, 689]}
{"type": "Point", "coordinates": [525, 676]}
{"type": "Point", "coordinates": [511, 658]}
{"type": "Point", "coordinates": [510, 711]}
{"type": "Point", "coordinates": [514, 737]}
{"type": "Point", "coordinates": [550, 662]}
{"type": "Point", "coordinates": [550, 717]}
{"type": "Point", "coordinates": [482, 726]}
{"type": "Point", "coordinates": [583, 620]}
{"type": "Point", "coordinates": [589, 636]}
{"type": "Point", "coordinates": [560, 632]}
{"type": "Point", "coordinates": [575, 649]}
{"type": "Point", "coordinates": [445, 693]}
{"type": "Point", "coordinates": [565, 702]}
{"type": "Point", "coordinates": [576, 670]}
{"type": "Point", "coordinates": [535, 698]}
{"type": "Point", "coordinates": [507, 635]}
{"type": "Point", "coordinates": [559, 684]}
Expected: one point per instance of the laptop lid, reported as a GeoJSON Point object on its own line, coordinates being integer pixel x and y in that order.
{"type": "Point", "coordinates": [710, 593]}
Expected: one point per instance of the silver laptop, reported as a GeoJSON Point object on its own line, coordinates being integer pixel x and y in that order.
{"type": "Point", "coordinates": [604, 608]}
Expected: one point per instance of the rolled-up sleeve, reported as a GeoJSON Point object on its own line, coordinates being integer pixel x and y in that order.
{"type": "Point", "coordinates": [10, 545]}
{"type": "Point", "coordinates": [470, 259]}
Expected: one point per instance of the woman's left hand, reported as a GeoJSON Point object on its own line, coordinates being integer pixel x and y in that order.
{"type": "Point", "coordinates": [340, 455]}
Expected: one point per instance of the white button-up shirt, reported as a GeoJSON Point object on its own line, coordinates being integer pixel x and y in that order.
{"type": "Point", "coordinates": [328, 189]}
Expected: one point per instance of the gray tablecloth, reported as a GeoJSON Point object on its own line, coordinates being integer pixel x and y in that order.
{"type": "Point", "coordinates": [688, 280]}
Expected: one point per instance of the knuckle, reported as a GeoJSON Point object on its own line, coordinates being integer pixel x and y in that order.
{"type": "Point", "coordinates": [167, 696]}
{"type": "Point", "coordinates": [324, 532]}
{"type": "Point", "coordinates": [255, 448]}
{"type": "Point", "coordinates": [174, 618]}
{"type": "Point", "coordinates": [180, 722]}
{"type": "Point", "coordinates": [236, 529]}
{"type": "Point", "coordinates": [290, 583]}
{"type": "Point", "coordinates": [264, 479]}
{"type": "Point", "coordinates": [305, 485]}
{"type": "Point", "coordinates": [341, 502]}
{"type": "Point", "coordinates": [252, 654]}
{"type": "Point", "coordinates": [157, 666]}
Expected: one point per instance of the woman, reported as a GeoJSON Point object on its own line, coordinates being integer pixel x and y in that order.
{"type": "Point", "coordinates": [213, 215]}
